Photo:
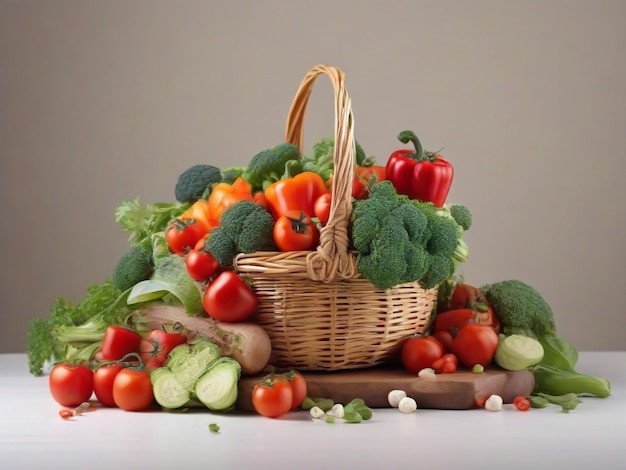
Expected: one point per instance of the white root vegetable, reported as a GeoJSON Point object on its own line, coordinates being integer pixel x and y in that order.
{"type": "Point", "coordinates": [427, 373]}
{"type": "Point", "coordinates": [247, 343]}
{"type": "Point", "coordinates": [493, 403]}
{"type": "Point", "coordinates": [317, 413]}
{"type": "Point", "coordinates": [407, 405]}
{"type": "Point", "coordinates": [394, 397]}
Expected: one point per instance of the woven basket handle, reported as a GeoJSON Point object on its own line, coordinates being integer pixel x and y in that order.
{"type": "Point", "coordinates": [331, 257]}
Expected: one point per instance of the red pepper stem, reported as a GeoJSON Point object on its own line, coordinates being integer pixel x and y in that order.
{"type": "Point", "coordinates": [409, 136]}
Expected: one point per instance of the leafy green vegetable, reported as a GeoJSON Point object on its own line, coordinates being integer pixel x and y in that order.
{"type": "Point", "coordinates": [142, 221]}
{"type": "Point", "coordinates": [75, 331]}
{"type": "Point", "coordinates": [170, 278]}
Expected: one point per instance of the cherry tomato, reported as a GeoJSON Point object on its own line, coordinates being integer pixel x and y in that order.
{"type": "Point", "coordinates": [298, 387]}
{"type": "Point", "coordinates": [364, 178]}
{"type": "Point", "coordinates": [118, 342]}
{"type": "Point", "coordinates": [71, 384]}
{"type": "Point", "coordinates": [103, 379]}
{"type": "Point", "coordinates": [201, 264]}
{"type": "Point", "coordinates": [132, 390]}
{"type": "Point", "coordinates": [419, 352]}
{"type": "Point", "coordinates": [295, 231]}
{"type": "Point", "coordinates": [155, 347]}
{"type": "Point", "coordinates": [446, 364]}
{"type": "Point", "coordinates": [273, 396]}
{"type": "Point", "coordinates": [321, 208]}
{"type": "Point", "coordinates": [521, 403]}
{"type": "Point", "coordinates": [475, 344]}
{"type": "Point", "coordinates": [183, 234]}
{"type": "Point", "coordinates": [228, 298]}
{"type": "Point", "coordinates": [444, 337]}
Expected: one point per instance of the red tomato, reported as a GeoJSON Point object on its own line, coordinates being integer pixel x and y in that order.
{"type": "Point", "coordinates": [155, 347]}
{"type": "Point", "coordinates": [444, 337]}
{"type": "Point", "coordinates": [321, 208]}
{"type": "Point", "coordinates": [132, 390]}
{"type": "Point", "coordinates": [364, 178]}
{"type": "Point", "coordinates": [201, 264]}
{"type": "Point", "coordinates": [118, 342]}
{"type": "Point", "coordinates": [181, 235]}
{"type": "Point", "coordinates": [475, 344]}
{"type": "Point", "coordinates": [298, 387]}
{"type": "Point", "coordinates": [71, 385]}
{"type": "Point", "coordinates": [295, 231]}
{"type": "Point", "coordinates": [273, 396]}
{"type": "Point", "coordinates": [228, 298]}
{"type": "Point", "coordinates": [521, 403]}
{"type": "Point", "coordinates": [419, 352]}
{"type": "Point", "coordinates": [103, 379]}
{"type": "Point", "coordinates": [446, 364]}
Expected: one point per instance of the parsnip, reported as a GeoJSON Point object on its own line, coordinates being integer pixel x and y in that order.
{"type": "Point", "coordinates": [247, 343]}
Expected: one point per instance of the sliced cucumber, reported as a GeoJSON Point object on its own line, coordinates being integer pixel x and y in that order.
{"type": "Point", "coordinates": [168, 391]}
{"type": "Point", "coordinates": [217, 388]}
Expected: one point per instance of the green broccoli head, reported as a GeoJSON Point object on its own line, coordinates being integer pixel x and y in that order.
{"type": "Point", "coordinates": [134, 266]}
{"type": "Point", "coordinates": [271, 165]}
{"type": "Point", "coordinates": [385, 264]}
{"type": "Point", "coordinates": [195, 182]}
{"type": "Point", "coordinates": [221, 246]}
{"type": "Point", "coordinates": [520, 308]}
{"type": "Point", "coordinates": [461, 215]}
{"type": "Point", "coordinates": [401, 240]}
{"type": "Point", "coordinates": [444, 236]}
{"type": "Point", "coordinates": [440, 267]}
{"type": "Point", "coordinates": [414, 222]}
{"type": "Point", "coordinates": [249, 225]}
{"type": "Point", "coordinates": [417, 261]}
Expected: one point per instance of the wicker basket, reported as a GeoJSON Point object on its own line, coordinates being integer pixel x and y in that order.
{"type": "Point", "coordinates": [318, 311]}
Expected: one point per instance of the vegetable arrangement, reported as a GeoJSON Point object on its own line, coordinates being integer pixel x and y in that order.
{"type": "Point", "coordinates": [510, 325]}
{"type": "Point", "coordinates": [174, 327]}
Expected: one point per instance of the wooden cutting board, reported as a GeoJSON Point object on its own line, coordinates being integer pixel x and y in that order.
{"type": "Point", "coordinates": [458, 391]}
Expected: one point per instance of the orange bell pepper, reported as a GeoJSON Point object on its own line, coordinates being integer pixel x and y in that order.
{"type": "Point", "coordinates": [295, 193]}
{"type": "Point", "coordinates": [224, 195]}
{"type": "Point", "coordinates": [199, 211]}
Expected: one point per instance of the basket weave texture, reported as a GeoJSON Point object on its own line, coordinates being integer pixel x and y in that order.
{"type": "Point", "coordinates": [319, 313]}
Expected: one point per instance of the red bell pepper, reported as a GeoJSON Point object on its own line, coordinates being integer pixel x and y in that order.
{"type": "Point", "coordinates": [419, 174]}
{"type": "Point", "coordinates": [295, 193]}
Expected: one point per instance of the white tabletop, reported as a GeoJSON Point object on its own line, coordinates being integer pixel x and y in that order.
{"type": "Point", "coordinates": [32, 435]}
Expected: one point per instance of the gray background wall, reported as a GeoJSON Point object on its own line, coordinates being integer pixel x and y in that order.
{"type": "Point", "coordinates": [105, 101]}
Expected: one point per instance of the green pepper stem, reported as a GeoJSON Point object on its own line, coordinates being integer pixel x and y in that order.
{"type": "Point", "coordinates": [409, 136]}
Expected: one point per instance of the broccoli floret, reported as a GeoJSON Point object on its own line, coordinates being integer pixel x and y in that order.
{"type": "Point", "coordinates": [444, 236]}
{"type": "Point", "coordinates": [440, 267]}
{"type": "Point", "coordinates": [520, 308]}
{"type": "Point", "coordinates": [245, 227]}
{"type": "Point", "coordinates": [399, 240]}
{"type": "Point", "coordinates": [134, 266]}
{"type": "Point", "coordinates": [385, 264]}
{"type": "Point", "coordinates": [195, 182]}
{"type": "Point", "coordinates": [249, 225]}
{"type": "Point", "coordinates": [461, 215]}
{"type": "Point", "coordinates": [221, 246]}
{"type": "Point", "coordinates": [74, 332]}
{"type": "Point", "coordinates": [272, 164]}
